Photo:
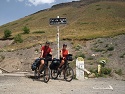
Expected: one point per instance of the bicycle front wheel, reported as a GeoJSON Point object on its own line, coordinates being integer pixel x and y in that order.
{"type": "Point", "coordinates": [54, 74]}
{"type": "Point", "coordinates": [46, 75]}
{"type": "Point", "coordinates": [68, 74]}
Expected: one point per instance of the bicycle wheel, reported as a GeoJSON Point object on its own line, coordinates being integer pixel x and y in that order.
{"type": "Point", "coordinates": [68, 74]}
{"type": "Point", "coordinates": [54, 74]}
{"type": "Point", "coordinates": [36, 74]}
{"type": "Point", "coordinates": [46, 75]}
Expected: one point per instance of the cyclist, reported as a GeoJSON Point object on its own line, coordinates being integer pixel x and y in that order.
{"type": "Point", "coordinates": [45, 50]}
{"type": "Point", "coordinates": [64, 53]}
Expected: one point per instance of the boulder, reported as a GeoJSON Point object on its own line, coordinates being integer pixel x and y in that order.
{"type": "Point", "coordinates": [92, 75]}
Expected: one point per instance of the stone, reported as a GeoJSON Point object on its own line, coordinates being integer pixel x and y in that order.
{"type": "Point", "coordinates": [0, 71]}
{"type": "Point", "coordinates": [92, 75]}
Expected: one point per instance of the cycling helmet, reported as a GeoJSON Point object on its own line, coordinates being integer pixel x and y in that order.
{"type": "Point", "coordinates": [47, 42]}
{"type": "Point", "coordinates": [64, 45]}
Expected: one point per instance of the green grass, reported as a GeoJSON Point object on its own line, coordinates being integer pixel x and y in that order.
{"type": "Point", "coordinates": [39, 32]}
{"type": "Point", "coordinates": [104, 72]}
{"type": "Point", "coordinates": [98, 49]}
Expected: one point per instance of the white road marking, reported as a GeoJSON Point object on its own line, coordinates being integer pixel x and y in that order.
{"type": "Point", "coordinates": [109, 87]}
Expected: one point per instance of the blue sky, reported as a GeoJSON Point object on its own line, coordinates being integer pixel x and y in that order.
{"type": "Point", "coordinates": [11, 10]}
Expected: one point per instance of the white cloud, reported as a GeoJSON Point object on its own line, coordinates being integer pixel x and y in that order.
{"type": "Point", "coordinates": [8, 0]}
{"type": "Point", "coordinates": [38, 2]}
{"type": "Point", "coordinates": [20, 0]}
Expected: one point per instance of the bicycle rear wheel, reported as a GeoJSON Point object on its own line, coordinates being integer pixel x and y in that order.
{"type": "Point", "coordinates": [68, 74]}
{"type": "Point", "coordinates": [46, 75]}
{"type": "Point", "coordinates": [36, 73]}
{"type": "Point", "coordinates": [54, 74]}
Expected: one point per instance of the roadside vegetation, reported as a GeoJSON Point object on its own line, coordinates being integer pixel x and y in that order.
{"type": "Point", "coordinates": [7, 33]}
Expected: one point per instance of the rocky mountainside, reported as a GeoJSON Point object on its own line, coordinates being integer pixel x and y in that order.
{"type": "Point", "coordinates": [110, 49]}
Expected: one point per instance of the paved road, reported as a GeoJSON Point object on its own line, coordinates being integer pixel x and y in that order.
{"type": "Point", "coordinates": [25, 85]}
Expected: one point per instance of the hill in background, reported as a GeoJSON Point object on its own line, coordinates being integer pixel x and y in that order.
{"type": "Point", "coordinates": [92, 30]}
{"type": "Point", "coordinates": [87, 19]}
{"type": "Point", "coordinates": [95, 17]}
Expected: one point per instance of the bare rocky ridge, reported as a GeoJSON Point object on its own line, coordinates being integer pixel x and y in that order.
{"type": "Point", "coordinates": [111, 49]}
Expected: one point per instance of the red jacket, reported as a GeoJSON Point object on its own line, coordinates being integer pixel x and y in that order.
{"type": "Point", "coordinates": [64, 52]}
{"type": "Point", "coordinates": [46, 50]}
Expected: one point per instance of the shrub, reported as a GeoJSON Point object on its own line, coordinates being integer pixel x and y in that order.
{"type": "Point", "coordinates": [122, 56]}
{"type": "Point", "coordinates": [94, 71]}
{"type": "Point", "coordinates": [1, 58]}
{"type": "Point", "coordinates": [109, 55]}
{"type": "Point", "coordinates": [105, 71]}
{"type": "Point", "coordinates": [7, 33]}
{"type": "Point", "coordinates": [98, 50]}
{"type": "Point", "coordinates": [26, 30]}
{"type": "Point", "coordinates": [111, 48]}
{"type": "Point", "coordinates": [18, 39]}
{"type": "Point", "coordinates": [39, 32]}
{"type": "Point", "coordinates": [78, 47]}
{"type": "Point", "coordinates": [80, 55]}
{"type": "Point", "coordinates": [119, 72]}
{"type": "Point", "coordinates": [98, 8]}
{"type": "Point", "coordinates": [107, 45]}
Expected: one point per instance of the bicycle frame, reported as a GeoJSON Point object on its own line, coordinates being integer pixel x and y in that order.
{"type": "Point", "coordinates": [46, 74]}
{"type": "Point", "coordinates": [64, 66]}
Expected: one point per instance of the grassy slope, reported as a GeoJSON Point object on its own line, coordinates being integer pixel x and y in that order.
{"type": "Point", "coordinates": [102, 19]}
{"type": "Point", "coordinates": [99, 20]}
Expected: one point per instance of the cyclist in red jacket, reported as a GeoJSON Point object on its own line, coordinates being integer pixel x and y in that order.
{"type": "Point", "coordinates": [64, 53]}
{"type": "Point", "coordinates": [45, 50]}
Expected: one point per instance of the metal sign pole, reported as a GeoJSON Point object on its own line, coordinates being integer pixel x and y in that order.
{"type": "Point", "coordinates": [57, 21]}
{"type": "Point", "coordinates": [58, 40]}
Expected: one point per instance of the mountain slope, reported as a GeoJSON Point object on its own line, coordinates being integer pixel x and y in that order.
{"type": "Point", "coordinates": [87, 19]}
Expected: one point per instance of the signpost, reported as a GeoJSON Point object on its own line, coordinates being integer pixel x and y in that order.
{"type": "Point", "coordinates": [57, 21]}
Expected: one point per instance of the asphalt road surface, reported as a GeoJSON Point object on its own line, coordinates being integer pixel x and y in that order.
{"type": "Point", "coordinates": [26, 85]}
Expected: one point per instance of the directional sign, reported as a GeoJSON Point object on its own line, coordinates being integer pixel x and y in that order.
{"type": "Point", "coordinates": [56, 21]}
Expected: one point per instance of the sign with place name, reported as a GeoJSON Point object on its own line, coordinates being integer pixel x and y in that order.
{"type": "Point", "coordinates": [57, 21]}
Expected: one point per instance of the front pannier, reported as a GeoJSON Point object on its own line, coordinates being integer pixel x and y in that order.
{"type": "Point", "coordinates": [69, 57]}
{"type": "Point", "coordinates": [55, 64]}
{"type": "Point", "coordinates": [35, 64]}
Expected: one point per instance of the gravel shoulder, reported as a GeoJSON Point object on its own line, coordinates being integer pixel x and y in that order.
{"type": "Point", "coordinates": [22, 85]}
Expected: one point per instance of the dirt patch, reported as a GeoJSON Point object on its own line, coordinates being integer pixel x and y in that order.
{"type": "Point", "coordinates": [4, 43]}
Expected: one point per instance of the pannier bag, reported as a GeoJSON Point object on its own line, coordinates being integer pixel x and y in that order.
{"type": "Point", "coordinates": [69, 57]}
{"type": "Point", "coordinates": [49, 57]}
{"type": "Point", "coordinates": [55, 63]}
{"type": "Point", "coordinates": [35, 64]}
